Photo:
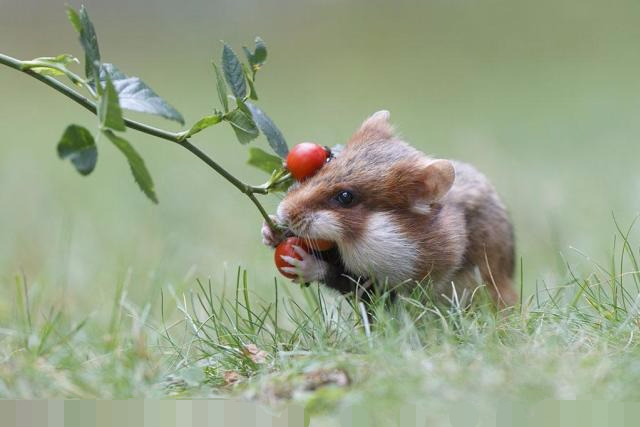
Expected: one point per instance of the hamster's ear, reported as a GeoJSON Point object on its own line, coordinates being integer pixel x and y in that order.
{"type": "Point", "coordinates": [374, 128]}
{"type": "Point", "coordinates": [437, 178]}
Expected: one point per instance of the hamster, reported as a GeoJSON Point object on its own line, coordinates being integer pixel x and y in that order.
{"type": "Point", "coordinates": [399, 217]}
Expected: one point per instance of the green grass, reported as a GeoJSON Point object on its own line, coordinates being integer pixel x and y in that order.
{"type": "Point", "coordinates": [570, 340]}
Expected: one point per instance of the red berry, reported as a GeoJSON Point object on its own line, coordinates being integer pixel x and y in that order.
{"type": "Point", "coordinates": [286, 248]}
{"type": "Point", "coordinates": [305, 159]}
{"type": "Point", "coordinates": [320, 245]}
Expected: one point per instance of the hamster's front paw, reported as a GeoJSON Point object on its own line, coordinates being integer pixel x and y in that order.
{"type": "Point", "coordinates": [270, 238]}
{"type": "Point", "coordinates": [308, 268]}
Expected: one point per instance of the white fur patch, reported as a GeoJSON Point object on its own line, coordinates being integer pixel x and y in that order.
{"type": "Point", "coordinates": [421, 208]}
{"type": "Point", "coordinates": [383, 251]}
{"type": "Point", "coordinates": [324, 225]}
{"type": "Point", "coordinates": [281, 213]}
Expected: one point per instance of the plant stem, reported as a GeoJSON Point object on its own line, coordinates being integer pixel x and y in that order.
{"type": "Point", "coordinates": [175, 137]}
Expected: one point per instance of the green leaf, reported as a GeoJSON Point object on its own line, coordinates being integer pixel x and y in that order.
{"type": "Point", "coordinates": [260, 54]}
{"type": "Point", "coordinates": [222, 88]}
{"type": "Point", "coordinates": [252, 90]}
{"type": "Point", "coordinates": [136, 163]}
{"type": "Point", "coordinates": [88, 39]}
{"type": "Point", "coordinates": [51, 65]}
{"type": "Point", "coordinates": [57, 61]}
{"type": "Point", "coordinates": [204, 123]}
{"type": "Point", "coordinates": [136, 95]}
{"type": "Point", "coordinates": [47, 71]}
{"type": "Point", "coordinates": [78, 146]}
{"type": "Point", "coordinates": [279, 182]}
{"type": "Point", "coordinates": [242, 105]}
{"type": "Point", "coordinates": [109, 112]}
{"type": "Point", "coordinates": [74, 19]}
{"type": "Point", "coordinates": [275, 138]}
{"type": "Point", "coordinates": [233, 72]}
{"type": "Point", "coordinates": [258, 57]}
{"type": "Point", "coordinates": [243, 125]}
{"type": "Point", "coordinates": [264, 161]}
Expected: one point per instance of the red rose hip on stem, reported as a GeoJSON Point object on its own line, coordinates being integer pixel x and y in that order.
{"type": "Point", "coordinates": [320, 245]}
{"type": "Point", "coordinates": [286, 248]}
{"type": "Point", "coordinates": [305, 159]}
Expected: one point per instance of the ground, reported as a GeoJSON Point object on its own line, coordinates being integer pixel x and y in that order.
{"type": "Point", "coordinates": [572, 341]}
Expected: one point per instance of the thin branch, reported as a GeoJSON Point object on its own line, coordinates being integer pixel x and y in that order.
{"type": "Point", "coordinates": [175, 137]}
{"type": "Point", "coordinates": [84, 101]}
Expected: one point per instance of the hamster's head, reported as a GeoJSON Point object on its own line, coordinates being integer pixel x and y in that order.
{"type": "Point", "coordinates": [375, 172]}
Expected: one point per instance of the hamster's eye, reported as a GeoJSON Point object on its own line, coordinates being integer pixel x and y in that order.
{"type": "Point", "coordinates": [345, 198]}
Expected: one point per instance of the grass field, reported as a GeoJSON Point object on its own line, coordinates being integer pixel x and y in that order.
{"type": "Point", "coordinates": [575, 340]}
{"type": "Point", "coordinates": [103, 294]}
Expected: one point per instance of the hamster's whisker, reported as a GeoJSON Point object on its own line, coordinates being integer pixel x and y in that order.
{"type": "Point", "coordinates": [295, 226]}
{"type": "Point", "coordinates": [312, 243]}
{"type": "Point", "coordinates": [301, 226]}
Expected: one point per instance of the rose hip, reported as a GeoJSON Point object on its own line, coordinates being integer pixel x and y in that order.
{"type": "Point", "coordinates": [305, 159]}
{"type": "Point", "coordinates": [286, 248]}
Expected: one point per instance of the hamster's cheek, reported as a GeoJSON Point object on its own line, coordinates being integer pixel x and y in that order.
{"type": "Point", "coordinates": [325, 224]}
{"type": "Point", "coordinates": [383, 250]}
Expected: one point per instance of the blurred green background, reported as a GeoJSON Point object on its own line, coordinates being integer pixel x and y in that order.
{"type": "Point", "coordinates": [544, 97]}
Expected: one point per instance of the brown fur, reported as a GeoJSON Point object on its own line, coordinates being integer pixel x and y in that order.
{"type": "Point", "coordinates": [454, 220]}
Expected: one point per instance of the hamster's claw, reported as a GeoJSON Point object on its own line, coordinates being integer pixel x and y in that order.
{"type": "Point", "coordinates": [308, 268]}
{"type": "Point", "coordinates": [300, 251]}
